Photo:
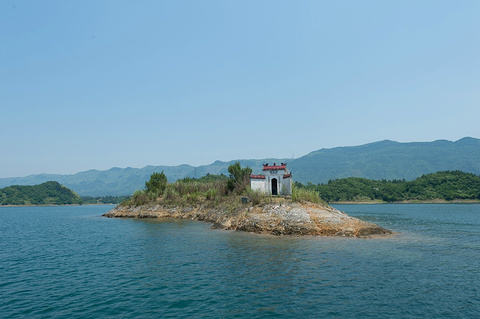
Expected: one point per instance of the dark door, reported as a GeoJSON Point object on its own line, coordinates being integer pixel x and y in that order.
{"type": "Point", "coordinates": [274, 187]}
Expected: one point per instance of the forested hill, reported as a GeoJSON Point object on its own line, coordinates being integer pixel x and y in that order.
{"type": "Point", "coordinates": [448, 185]}
{"type": "Point", "coordinates": [380, 160]}
{"type": "Point", "coordinates": [388, 160]}
{"type": "Point", "coordinates": [49, 193]}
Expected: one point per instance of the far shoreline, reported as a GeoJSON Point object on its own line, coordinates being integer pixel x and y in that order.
{"type": "Point", "coordinates": [432, 201]}
{"type": "Point", "coordinates": [53, 205]}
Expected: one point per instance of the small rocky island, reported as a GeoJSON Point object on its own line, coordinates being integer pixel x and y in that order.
{"type": "Point", "coordinates": [285, 218]}
{"type": "Point", "coordinates": [264, 204]}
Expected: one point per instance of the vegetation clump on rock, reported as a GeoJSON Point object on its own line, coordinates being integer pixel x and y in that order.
{"type": "Point", "coordinates": [229, 203]}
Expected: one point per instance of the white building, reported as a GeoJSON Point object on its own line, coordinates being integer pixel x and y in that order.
{"type": "Point", "coordinates": [276, 181]}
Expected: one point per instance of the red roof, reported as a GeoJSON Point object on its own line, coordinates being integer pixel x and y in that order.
{"type": "Point", "coordinates": [287, 175]}
{"type": "Point", "coordinates": [257, 176]}
{"type": "Point", "coordinates": [275, 167]}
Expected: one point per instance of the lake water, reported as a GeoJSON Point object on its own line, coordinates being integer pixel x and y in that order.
{"type": "Point", "coordinates": [68, 262]}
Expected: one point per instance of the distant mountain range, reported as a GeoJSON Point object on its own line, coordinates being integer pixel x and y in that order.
{"type": "Point", "coordinates": [379, 160]}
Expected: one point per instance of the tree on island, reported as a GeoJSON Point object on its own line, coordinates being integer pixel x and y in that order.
{"type": "Point", "coordinates": [156, 185]}
{"type": "Point", "coordinates": [239, 179]}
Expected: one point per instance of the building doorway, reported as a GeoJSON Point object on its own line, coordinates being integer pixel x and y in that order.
{"type": "Point", "coordinates": [274, 187]}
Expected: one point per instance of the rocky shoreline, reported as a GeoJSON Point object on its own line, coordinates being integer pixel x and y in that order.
{"type": "Point", "coordinates": [277, 219]}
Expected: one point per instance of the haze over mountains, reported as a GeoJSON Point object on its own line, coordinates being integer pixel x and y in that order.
{"type": "Point", "coordinates": [379, 160]}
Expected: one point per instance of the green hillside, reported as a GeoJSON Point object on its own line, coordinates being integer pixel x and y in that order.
{"type": "Point", "coordinates": [447, 185]}
{"type": "Point", "coordinates": [49, 193]}
{"type": "Point", "coordinates": [388, 160]}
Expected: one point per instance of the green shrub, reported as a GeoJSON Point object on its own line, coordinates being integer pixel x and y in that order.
{"type": "Point", "coordinates": [256, 196]}
{"type": "Point", "coordinates": [139, 197]}
{"type": "Point", "coordinates": [301, 195]}
{"type": "Point", "coordinates": [211, 193]}
{"type": "Point", "coordinates": [193, 198]}
{"type": "Point", "coordinates": [170, 193]}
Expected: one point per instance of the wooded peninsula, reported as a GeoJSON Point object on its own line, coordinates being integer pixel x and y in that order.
{"type": "Point", "coordinates": [445, 186]}
{"type": "Point", "coordinates": [48, 193]}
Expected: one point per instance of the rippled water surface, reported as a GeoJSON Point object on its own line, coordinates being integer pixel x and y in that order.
{"type": "Point", "coordinates": [68, 262]}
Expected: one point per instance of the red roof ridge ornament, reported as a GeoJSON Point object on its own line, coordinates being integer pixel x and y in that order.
{"type": "Point", "coordinates": [274, 167]}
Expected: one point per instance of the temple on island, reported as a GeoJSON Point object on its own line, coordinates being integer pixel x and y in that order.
{"type": "Point", "coordinates": [277, 180]}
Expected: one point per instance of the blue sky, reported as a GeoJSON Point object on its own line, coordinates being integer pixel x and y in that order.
{"type": "Point", "coordinates": [97, 84]}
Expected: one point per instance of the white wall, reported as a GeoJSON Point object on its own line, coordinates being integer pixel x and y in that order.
{"type": "Point", "coordinates": [258, 184]}
{"type": "Point", "coordinates": [287, 186]}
